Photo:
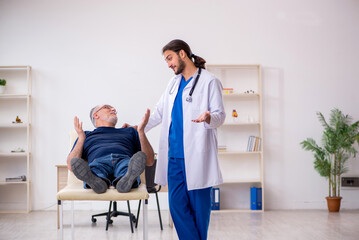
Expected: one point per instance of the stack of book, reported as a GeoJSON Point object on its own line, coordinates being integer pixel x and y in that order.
{"type": "Point", "coordinates": [222, 148]}
{"type": "Point", "coordinates": [254, 144]}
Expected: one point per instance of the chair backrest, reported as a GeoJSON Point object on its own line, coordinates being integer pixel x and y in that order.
{"type": "Point", "coordinates": [73, 137]}
{"type": "Point", "coordinates": [150, 172]}
{"type": "Point", "coordinates": [71, 178]}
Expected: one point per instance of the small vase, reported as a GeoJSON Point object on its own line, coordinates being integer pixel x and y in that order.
{"type": "Point", "coordinates": [333, 203]}
{"type": "Point", "coordinates": [2, 89]}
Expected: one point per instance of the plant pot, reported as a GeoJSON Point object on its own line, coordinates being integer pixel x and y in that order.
{"type": "Point", "coordinates": [333, 203]}
{"type": "Point", "coordinates": [2, 89]}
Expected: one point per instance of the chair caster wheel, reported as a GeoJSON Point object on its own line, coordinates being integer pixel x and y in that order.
{"type": "Point", "coordinates": [93, 220]}
{"type": "Point", "coordinates": [110, 221]}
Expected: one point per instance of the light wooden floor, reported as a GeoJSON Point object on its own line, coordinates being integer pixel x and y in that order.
{"type": "Point", "coordinates": [270, 225]}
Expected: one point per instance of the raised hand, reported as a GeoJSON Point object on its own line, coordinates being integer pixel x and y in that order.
{"type": "Point", "coordinates": [78, 128]}
{"type": "Point", "coordinates": [143, 123]}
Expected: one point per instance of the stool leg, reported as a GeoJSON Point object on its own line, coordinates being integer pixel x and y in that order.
{"type": "Point", "coordinates": [129, 213]}
{"type": "Point", "coordinates": [159, 211]}
{"type": "Point", "coordinates": [138, 213]}
{"type": "Point", "coordinates": [72, 221]}
{"type": "Point", "coordinates": [108, 215]}
{"type": "Point", "coordinates": [59, 202]}
{"type": "Point", "coordinates": [145, 219]}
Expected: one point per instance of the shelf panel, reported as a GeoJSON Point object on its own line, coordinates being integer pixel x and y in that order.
{"type": "Point", "coordinates": [6, 183]}
{"type": "Point", "coordinates": [241, 95]}
{"type": "Point", "coordinates": [233, 181]}
{"type": "Point", "coordinates": [20, 67]}
{"type": "Point", "coordinates": [14, 96]}
{"type": "Point", "coordinates": [13, 125]}
{"type": "Point", "coordinates": [14, 154]}
{"type": "Point", "coordinates": [234, 66]}
{"type": "Point", "coordinates": [14, 211]}
{"type": "Point", "coordinates": [238, 153]}
{"type": "Point", "coordinates": [240, 124]}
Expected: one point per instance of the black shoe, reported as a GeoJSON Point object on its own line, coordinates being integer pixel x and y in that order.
{"type": "Point", "coordinates": [136, 166]}
{"type": "Point", "coordinates": [83, 172]}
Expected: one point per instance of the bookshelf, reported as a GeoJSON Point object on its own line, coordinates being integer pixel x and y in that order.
{"type": "Point", "coordinates": [15, 197]}
{"type": "Point", "coordinates": [241, 169]}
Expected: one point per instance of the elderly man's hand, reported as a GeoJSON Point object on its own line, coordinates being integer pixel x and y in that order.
{"type": "Point", "coordinates": [78, 128]}
{"type": "Point", "coordinates": [143, 123]}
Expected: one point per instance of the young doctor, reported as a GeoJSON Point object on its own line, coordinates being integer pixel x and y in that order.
{"type": "Point", "coordinates": [190, 110]}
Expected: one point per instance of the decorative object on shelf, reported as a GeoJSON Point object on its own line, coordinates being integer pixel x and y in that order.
{"type": "Point", "coordinates": [249, 91]}
{"type": "Point", "coordinates": [2, 86]}
{"type": "Point", "coordinates": [227, 90]}
{"type": "Point", "coordinates": [17, 120]}
{"type": "Point", "coordinates": [250, 119]}
{"type": "Point", "coordinates": [338, 140]}
{"type": "Point", "coordinates": [16, 179]}
{"type": "Point", "coordinates": [234, 115]}
{"type": "Point", "coordinates": [17, 150]}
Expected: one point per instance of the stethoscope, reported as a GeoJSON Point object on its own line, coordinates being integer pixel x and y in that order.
{"type": "Point", "coordinates": [189, 98]}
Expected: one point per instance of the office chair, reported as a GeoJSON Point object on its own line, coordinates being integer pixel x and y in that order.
{"type": "Point", "coordinates": [151, 188]}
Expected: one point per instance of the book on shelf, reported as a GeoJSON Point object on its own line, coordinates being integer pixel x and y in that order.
{"type": "Point", "coordinates": [254, 144]}
{"type": "Point", "coordinates": [222, 148]}
{"type": "Point", "coordinates": [256, 198]}
{"type": "Point", "coordinates": [16, 179]}
{"type": "Point", "coordinates": [215, 199]}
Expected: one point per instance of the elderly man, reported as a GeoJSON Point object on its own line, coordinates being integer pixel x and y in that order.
{"type": "Point", "coordinates": [110, 156]}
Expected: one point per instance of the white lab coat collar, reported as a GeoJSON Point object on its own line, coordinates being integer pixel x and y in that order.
{"type": "Point", "coordinates": [190, 84]}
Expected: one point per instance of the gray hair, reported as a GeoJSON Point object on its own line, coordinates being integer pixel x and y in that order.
{"type": "Point", "coordinates": [91, 115]}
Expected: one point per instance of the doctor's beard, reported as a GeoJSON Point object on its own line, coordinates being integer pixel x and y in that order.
{"type": "Point", "coordinates": [181, 66]}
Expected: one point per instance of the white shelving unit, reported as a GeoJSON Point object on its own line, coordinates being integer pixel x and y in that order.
{"type": "Point", "coordinates": [241, 169]}
{"type": "Point", "coordinates": [15, 197]}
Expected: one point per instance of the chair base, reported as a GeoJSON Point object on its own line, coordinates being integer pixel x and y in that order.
{"type": "Point", "coordinates": [114, 213]}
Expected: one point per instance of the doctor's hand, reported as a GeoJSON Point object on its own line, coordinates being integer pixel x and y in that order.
{"type": "Point", "coordinates": [206, 116]}
{"type": "Point", "coordinates": [126, 125]}
{"type": "Point", "coordinates": [143, 123]}
{"type": "Point", "coordinates": [78, 128]}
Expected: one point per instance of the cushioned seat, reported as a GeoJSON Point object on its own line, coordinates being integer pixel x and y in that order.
{"type": "Point", "coordinates": [74, 190]}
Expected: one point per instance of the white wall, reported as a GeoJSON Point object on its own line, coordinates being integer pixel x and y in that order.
{"type": "Point", "coordinates": [89, 52]}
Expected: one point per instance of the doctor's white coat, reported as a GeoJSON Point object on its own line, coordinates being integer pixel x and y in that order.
{"type": "Point", "coordinates": [199, 139]}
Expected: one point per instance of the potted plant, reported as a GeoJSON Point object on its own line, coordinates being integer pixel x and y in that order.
{"type": "Point", "coordinates": [2, 85]}
{"type": "Point", "coordinates": [330, 159]}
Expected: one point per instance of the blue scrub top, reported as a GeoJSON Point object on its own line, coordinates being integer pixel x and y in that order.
{"type": "Point", "coordinates": [175, 137]}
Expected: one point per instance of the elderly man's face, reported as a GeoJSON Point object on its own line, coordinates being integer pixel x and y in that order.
{"type": "Point", "coordinates": [107, 113]}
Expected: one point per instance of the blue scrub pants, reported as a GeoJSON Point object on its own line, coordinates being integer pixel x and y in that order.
{"type": "Point", "coordinates": [190, 210]}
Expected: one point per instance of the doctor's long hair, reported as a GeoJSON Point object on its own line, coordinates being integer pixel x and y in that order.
{"type": "Point", "coordinates": [178, 45]}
